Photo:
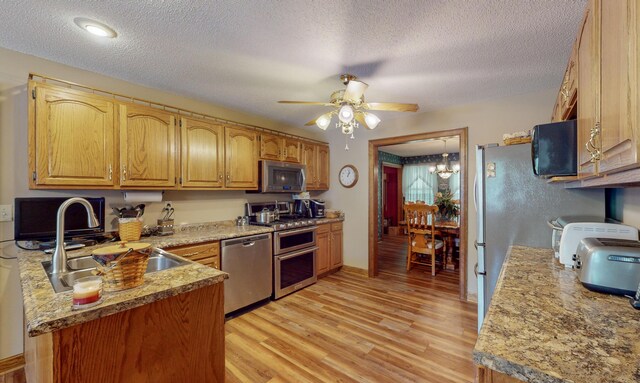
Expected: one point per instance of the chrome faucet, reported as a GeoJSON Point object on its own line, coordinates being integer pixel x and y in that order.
{"type": "Point", "coordinates": [59, 260]}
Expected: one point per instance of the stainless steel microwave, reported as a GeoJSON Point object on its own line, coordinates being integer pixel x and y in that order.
{"type": "Point", "coordinates": [282, 177]}
{"type": "Point", "coordinates": [554, 149]}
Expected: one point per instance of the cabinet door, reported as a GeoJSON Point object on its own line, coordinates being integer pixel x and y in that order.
{"type": "Point", "coordinates": [271, 147]}
{"type": "Point", "coordinates": [241, 158]}
{"type": "Point", "coordinates": [309, 158]}
{"type": "Point", "coordinates": [292, 150]}
{"type": "Point", "coordinates": [202, 153]}
{"type": "Point", "coordinates": [323, 258]}
{"type": "Point", "coordinates": [336, 246]}
{"type": "Point", "coordinates": [74, 138]}
{"type": "Point", "coordinates": [617, 65]}
{"type": "Point", "coordinates": [147, 147]}
{"type": "Point", "coordinates": [322, 168]}
{"type": "Point", "coordinates": [587, 97]}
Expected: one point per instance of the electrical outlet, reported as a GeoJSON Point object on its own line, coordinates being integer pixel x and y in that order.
{"type": "Point", "coordinates": [6, 214]}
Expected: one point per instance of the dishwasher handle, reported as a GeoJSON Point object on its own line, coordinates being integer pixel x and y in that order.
{"type": "Point", "coordinates": [245, 241]}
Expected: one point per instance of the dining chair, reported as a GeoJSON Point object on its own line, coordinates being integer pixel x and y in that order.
{"type": "Point", "coordinates": [423, 243]}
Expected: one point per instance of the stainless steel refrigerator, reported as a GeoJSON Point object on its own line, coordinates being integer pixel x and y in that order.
{"type": "Point", "coordinates": [513, 207]}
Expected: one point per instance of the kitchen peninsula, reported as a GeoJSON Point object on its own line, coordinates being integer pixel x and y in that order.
{"type": "Point", "coordinates": [544, 326]}
{"type": "Point", "coordinates": [171, 329]}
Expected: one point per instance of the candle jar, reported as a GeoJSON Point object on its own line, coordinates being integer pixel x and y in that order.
{"type": "Point", "coordinates": [87, 292]}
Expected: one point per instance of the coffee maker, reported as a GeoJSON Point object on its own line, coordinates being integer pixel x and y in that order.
{"type": "Point", "coordinates": [317, 208]}
{"type": "Point", "coordinates": [302, 207]}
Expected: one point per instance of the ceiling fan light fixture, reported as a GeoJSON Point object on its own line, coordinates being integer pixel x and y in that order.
{"type": "Point", "coordinates": [95, 27]}
{"type": "Point", "coordinates": [372, 120]}
{"type": "Point", "coordinates": [324, 121]}
{"type": "Point", "coordinates": [346, 113]}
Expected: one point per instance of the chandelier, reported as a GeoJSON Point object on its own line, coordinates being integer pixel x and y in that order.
{"type": "Point", "coordinates": [444, 169]}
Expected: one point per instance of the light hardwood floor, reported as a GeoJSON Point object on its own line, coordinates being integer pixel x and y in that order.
{"type": "Point", "coordinates": [397, 327]}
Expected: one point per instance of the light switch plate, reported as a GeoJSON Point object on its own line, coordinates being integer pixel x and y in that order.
{"type": "Point", "coordinates": [6, 214]}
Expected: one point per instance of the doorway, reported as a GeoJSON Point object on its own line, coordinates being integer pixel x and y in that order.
{"type": "Point", "coordinates": [378, 203]}
{"type": "Point", "coordinates": [391, 196]}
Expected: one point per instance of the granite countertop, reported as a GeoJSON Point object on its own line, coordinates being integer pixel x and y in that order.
{"type": "Point", "coordinates": [544, 326]}
{"type": "Point", "coordinates": [46, 311]}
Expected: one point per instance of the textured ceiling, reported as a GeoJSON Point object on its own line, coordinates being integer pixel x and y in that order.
{"type": "Point", "coordinates": [249, 54]}
{"type": "Point", "coordinates": [423, 148]}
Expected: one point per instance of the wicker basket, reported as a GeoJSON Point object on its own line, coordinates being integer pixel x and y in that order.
{"type": "Point", "coordinates": [517, 140]}
{"type": "Point", "coordinates": [128, 273]}
{"type": "Point", "coordinates": [129, 229]}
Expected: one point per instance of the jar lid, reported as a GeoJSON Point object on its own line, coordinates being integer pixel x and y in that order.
{"type": "Point", "coordinates": [121, 247]}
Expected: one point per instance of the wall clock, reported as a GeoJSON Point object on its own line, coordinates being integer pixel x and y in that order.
{"type": "Point", "coordinates": [348, 176]}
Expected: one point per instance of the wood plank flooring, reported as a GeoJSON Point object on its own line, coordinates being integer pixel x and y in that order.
{"type": "Point", "coordinates": [397, 327]}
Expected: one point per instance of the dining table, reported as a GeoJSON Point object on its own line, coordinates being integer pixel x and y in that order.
{"type": "Point", "coordinates": [450, 230]}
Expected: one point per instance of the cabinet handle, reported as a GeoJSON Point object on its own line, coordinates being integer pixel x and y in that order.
{"type": "Point", "coordinates": [228, 176]}
{"type": "Point", "coordinates": [592, 148]}
{"type": "Point", "coordinates": [124, 172]}
{"type": "Point", "coordinates": [220, 176]}
{"type": "Point", "coordinates": [110, 172]}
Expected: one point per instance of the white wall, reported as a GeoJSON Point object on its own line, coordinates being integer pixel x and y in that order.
{"type": "Point", "coordinates": [487, 121]}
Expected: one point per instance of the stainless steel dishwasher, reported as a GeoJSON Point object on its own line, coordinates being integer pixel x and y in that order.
{"type": "Point", "coordinates": [248, 260]}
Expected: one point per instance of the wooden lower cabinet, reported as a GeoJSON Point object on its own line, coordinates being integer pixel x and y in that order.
{"type": "Point", "coordinates": [487, 375]}
{"type": "Point", "coordinates": [329, 241]}
{"type": "Point", "coordinates": [207, 253]}
{"type": "Point", "coordinates": [177, 339]}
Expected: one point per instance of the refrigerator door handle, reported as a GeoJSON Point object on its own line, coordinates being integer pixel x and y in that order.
{"type": "Point", "coordinates": [475, 192]}
{"type": "Point", "coordinates": [476, 272]}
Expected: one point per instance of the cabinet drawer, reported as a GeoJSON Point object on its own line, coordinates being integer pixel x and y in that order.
{"type": "Point", "coordinates": [197, 252]}
{"type": "Point", "coordinates": [211, 262]}
{"type": "Point", "coordinates": [324, 228]}
{"type": "Point", "coordinates": [336, 226]}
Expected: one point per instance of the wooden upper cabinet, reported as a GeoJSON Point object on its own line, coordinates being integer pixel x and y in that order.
{"type": "Point", "coordinates": [587, 97]}
{"type": "Point", "coordinates": [278, 148]}
{"type": "Point", "coordinates": [202, 154]}
{"type": "Point", "coordinates": [241, 158]}
{"type": "Point", "coordinates": [618, 84]}
{"type": "Point", "coordinates": [292, 150]}
{"type": "Point", "coordinates": [322, 168]}
{"type": "Point", "coordinates": [271, 147]}
{"type": "Point", "coordinates": [71, 138]}
{"type": "Point", "coordinates": [310, 159]}
{"type": "Point", "coordinates": [147, 147]}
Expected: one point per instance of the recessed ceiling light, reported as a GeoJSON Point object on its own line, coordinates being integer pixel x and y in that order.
{"type": "Point", "coordinates": [95, 27]}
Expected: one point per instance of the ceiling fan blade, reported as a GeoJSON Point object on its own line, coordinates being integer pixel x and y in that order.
{"type": "Point", "coordinates": [312, 122]}
{"type": "Point", "coordinates": [361, 120]}
{"type": "Point", "coordinates": [355, 90]}
{"type": "Point", "coordinates": [391, 106]}
{"type": "Point", "coordinates": [307, 103]}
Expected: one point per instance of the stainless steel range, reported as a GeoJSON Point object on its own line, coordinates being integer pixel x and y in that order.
{"type": "Point", "coordinates": [294, 246]}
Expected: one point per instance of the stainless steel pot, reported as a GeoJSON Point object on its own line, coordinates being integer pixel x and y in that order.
{"type": "Point", "coordinates": [265, 216]}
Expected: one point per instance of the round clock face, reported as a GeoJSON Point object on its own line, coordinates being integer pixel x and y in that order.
{"type": "Point", "coordinates": [348, 176]}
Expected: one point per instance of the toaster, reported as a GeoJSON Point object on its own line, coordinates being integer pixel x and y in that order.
{"type": "Point", "coordinates": [572, 233]}
{"type": "Point", "coordinates": [609, 265]}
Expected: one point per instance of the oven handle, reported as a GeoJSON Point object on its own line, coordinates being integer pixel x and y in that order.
{"type": "Point", "coordinates": [287, 233]}
{"type": "Point", "coordinates": [296, 254]}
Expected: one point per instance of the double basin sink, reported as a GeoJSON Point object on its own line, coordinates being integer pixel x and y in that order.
{"type": "Point", "coordinates": [84, 266]}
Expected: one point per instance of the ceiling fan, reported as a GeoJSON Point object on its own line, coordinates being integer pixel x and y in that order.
{"type": "Point", "coordinates": [351, 108]}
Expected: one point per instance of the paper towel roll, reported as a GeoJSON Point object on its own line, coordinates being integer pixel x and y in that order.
{"type": "Point", "coordinates": [142, 196]}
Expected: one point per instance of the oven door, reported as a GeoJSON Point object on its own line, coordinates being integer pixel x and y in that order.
{"type": "Point", "coordinates": [294, 271]}
{"type": "Point", "coordinates": [292, 240]}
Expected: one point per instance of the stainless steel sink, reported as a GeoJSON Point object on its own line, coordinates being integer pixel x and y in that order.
{"type": "Point", "coordinates": [83, 267]}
